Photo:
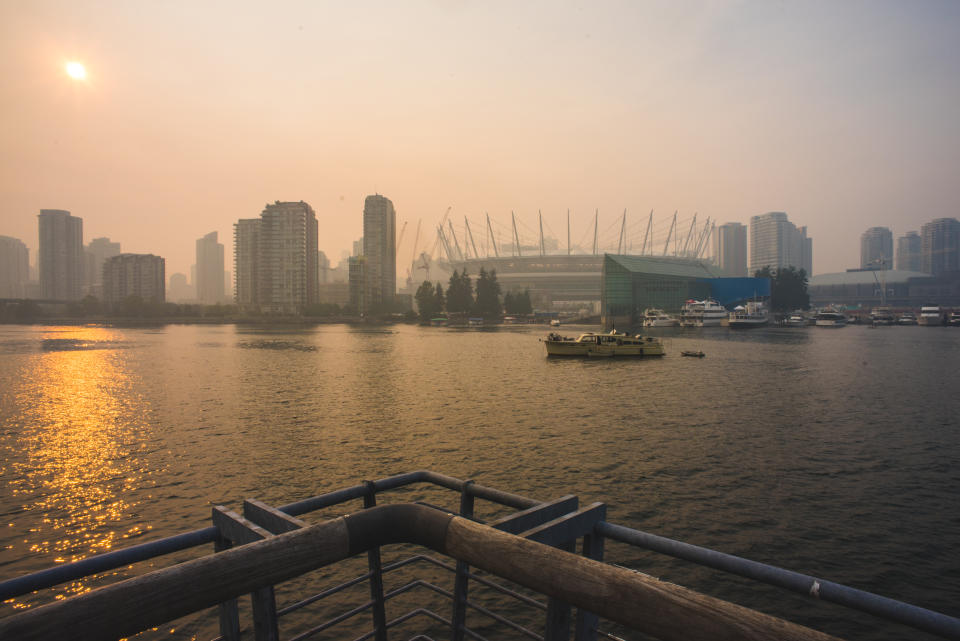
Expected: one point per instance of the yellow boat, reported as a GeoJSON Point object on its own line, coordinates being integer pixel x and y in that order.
{"type": "Point", "coordinates": [613, 344]}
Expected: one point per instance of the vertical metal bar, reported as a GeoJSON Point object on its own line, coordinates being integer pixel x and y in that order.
{"type": "Point", "coordinates": [459, 618]}
{"type": "Point", "coordinates": [587, 622]}
{"type": "Point", "coordinates": [557, 626]}
{"type": "Point", "coordinates": [229, 611]}
{"type": "Point", "coordinates": [376, 574]}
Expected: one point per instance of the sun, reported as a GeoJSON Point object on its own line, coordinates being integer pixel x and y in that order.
{"type": "Point", "coordinates": [76, 70]}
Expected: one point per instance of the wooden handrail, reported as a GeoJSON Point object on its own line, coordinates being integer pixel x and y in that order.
{"type": "Point", "coordinates": [653, 607]}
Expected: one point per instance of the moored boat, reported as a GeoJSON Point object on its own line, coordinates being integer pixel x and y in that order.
{"type": "Point", "coordinates": [658, 318]}
{"type": "Point", "coordinates": [907, 318]}
{"type": "Point", "coordinates": [753, 314]}
{"type": "Point", "coordinates": [882, 316]}
{"type": "Point", "coordinates": [703, 313]}
{"type": "Point", "coordinates": [930, 316]}
{"type": "Point", "coordinates": [796, 319]}
{"type": "Point", "coordinates": [954, 319]}
{"type": "Point", "coordinates": [829, 317]}
{"type": "Point", "coordinates": [604, 345]}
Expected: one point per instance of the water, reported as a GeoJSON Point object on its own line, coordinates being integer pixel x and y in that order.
{"type": "Point", "coordinates": [829, 452]}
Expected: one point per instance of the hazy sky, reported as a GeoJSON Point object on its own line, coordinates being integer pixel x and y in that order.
{"type": "Point", "coordinates": [194, 114]}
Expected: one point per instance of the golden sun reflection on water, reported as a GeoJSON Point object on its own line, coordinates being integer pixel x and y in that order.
{"type": "Point", "coordinates": [79, 455]}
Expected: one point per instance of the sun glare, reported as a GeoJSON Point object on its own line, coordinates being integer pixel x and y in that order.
{"type": "Point", "coordinates": [76, 70]}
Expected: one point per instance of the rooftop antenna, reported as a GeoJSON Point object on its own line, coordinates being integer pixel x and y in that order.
{"type": "Point", "coordinates": [456, 243]}
{"type": "Point", "coordinates": [596, 221]}
{"type": "Point", "coordinates": [686, 242]}
{"type": "Point", "coordinates": [493, 241]}
{"type": "Point", "coordinates": [666, 245]}
{"type": "Point", "coordinates": [516, 236]}
{"type": "Point", "coordinates": [466, 223]}
{"type": "Point", "coordinates": [540, 214]}
{"type": "Point", "coordinates": [643, 250]}
{"type": "Point", "coordinates": [623, 228]}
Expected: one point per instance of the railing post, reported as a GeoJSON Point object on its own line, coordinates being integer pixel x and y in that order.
{"type": "Point", "coordinates": [376, 574]}
{"type": "Point", "coordinates": [229, 611]}
{"type": "Point", "coordinates": [459, 618]}
{"type": "Point", "coordinates": [557, 627]}
{"type": "Point", "coordinates": [587, 622]}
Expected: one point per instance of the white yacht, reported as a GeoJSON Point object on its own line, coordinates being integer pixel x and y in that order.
{"type": "Point", "coordinates": [882, 316]}
{"type": "Point", "coordinates": [829, 317]}
{"type": "Point", "coordinates": [753, 314]}
{"type": "Point", "coordinates": [930, 315]}
{"type": "Point", "coordinates": [797, 319]}
{"type": "Point", "coordinates": [658, 318]}
{"type": "Point", "coordinates": [703, 313]}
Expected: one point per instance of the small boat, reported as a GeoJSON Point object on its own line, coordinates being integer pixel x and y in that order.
{"type": "Point", "coordinates": [954, 319]}
{"type": "Point", "coordinates": [930, 316]}
{"type": "Point", "coordinates": [658, 318]}
{"type": "Point", "coordinates": [796, 319]}
{"type": "Point", "coordinates": [555, 322]}
{"type": "Point", "coordinates": [475, 321]}
{"type": "Point", "coordinates": [753, 314]}
{"type": "Point", "coordinates": [703, 313]}
{"type": "Point", "coordinates": [438, 322]}
{"type": "Point", "coordinates": [829, 317]}
{"type": "Point", "coordinates": [692, 354]}
{"type": "Point", "coordinates": [613, 344]}
{"type": "Point", "coordinates": [907, 318]}
{"type": "Point", "coordinates": [882, 316]}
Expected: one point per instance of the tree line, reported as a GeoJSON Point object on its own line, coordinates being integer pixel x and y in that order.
{"type": "Point", "coordinates": [463, 297]}
{"type": "Point", "coordinates": [788, 288]}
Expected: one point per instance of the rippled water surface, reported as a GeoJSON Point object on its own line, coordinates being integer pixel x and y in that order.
{"type": "Point", "coordinates": [830, 452]}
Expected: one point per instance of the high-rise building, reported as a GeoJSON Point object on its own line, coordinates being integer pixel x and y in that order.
{"type": "Point", "coordinates": [97, 251]}
{"type": "Point", "coordinates": [775, 242]}
{"type": "Point", "coordinates": [358, 284]}
{"type": "Point", "coordinates": [876, 248]}
{"type": "Point", "coordinates": [179, 290]}
{"type": "Point", "coordinates": [61, 255]}
{"type": "Point", "coordinates": [139, 275]}
{"type": "Point", "coordinates": [910, 252]}
{"type": "Point", "coordinates": [941, 246]}
{"type": "Point", "coordinates": [730, 249]}
{"type": "Point", "coordinates": [209, 274]}
{"type": "Point", "coordinates": [380, 252]}
{"type": "Point", "coordinates": [276, 259]}
{"type": "Point", "coordinates": [246, 262]}
{"type": "Point", "coordinates": [14, 268]}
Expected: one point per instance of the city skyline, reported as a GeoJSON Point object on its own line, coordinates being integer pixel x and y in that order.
{"type": "Point", "coordinates": [185, 120]}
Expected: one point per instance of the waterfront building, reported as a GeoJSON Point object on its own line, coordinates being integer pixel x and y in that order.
{"type": "Point", "coordinates": [97, 251]}
{"type": "Point", "coordinates": [140, 275]}
{"type": "Point", "coordinates": [631, 284]}
{"type": "Point", "coordinates": [775, 242]}
{"type": "Point", "coordinates": [876, 248]}
{"type": "Point", "coordinates": [730, 249]}
{"type": "Point", "coordinates": [940, 248]}
{"type": "Point", "coordinates": [275, 259]}
{"type": "Point", "coordinates": [209, 277]}
{"type": "Point", "coordinates": [380, 252]}
{"type": "Point", "coordinates": [910, 252]}
{"type": "Point", "coordinates": [61, 255]}
{"type": "Point", "coordinates": [14, 268]}
{"type": "Point", "coordinates": [903, 289]}
{"type": "Point", "coordinates": [357, 282]}
{"type": "Point", "coordinates": [246, 263]}
{"type": "Point", "coordinates": [179, 290]}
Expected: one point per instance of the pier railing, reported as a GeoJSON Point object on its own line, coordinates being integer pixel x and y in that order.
{"type": "Point", "coordinates": [552, 549]}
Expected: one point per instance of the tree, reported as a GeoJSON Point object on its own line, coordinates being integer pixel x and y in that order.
{"type": "Point", "coordinates": [788, 288]}
{"type": "Point", "coordinates": [460, 293]}
{"type": "Point", "coordinates": [426, 298]}
{"type": "Point", "coordinates": [439, 301]}
{"type": "Point", "coordinates": [487, 303]}
{"type": "Point", "coordinates": [524, 306]}
{"type": "Point", "coordinates": [508, 304]}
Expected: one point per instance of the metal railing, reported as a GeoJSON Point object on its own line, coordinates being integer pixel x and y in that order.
{"type": "Point", "coordinates": [531, 547]}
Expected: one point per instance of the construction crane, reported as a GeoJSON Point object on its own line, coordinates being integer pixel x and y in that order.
{"type": "Point", "coordinates": [433, 250]}
{"type": "Point", "coordinates": [416, 240]}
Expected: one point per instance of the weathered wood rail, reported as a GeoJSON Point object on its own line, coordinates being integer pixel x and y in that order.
{"type": "Point", "coordinates": [533, 546]}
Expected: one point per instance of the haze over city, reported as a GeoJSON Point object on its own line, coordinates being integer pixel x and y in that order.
{"type": "Point", "coordinates": [191, 116]}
